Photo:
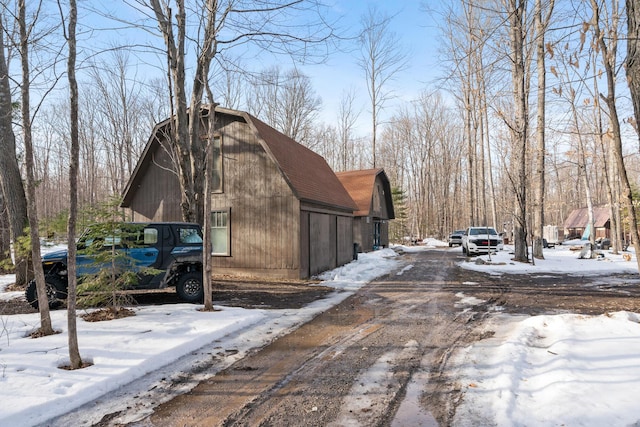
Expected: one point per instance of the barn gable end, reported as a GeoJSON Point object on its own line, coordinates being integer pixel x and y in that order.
{"type": "Point", "coordinates": [286, 213]}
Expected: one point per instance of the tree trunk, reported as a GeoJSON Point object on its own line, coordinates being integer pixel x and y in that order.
{"type": "Point", "coordinates": [5, 236]}
{"type": "Point", "coordinates": [519, 128]}
{"type": "Point", "coordinates": [539, 196]}
{"type": "Point", "coordinates": [485, 120]}
{"type": "Point", "coordinates": [181, 129]}
{"type": "Point", "coordinates": [471, 159]}
{"type": "Point", "coordinates": [608, 58]}
{"type": "Point", "coordinates": [187, 140]}
{"type": "Point", "coordinates": [610, 171]}
{"type": "Point", "coordinates": [633, 71]}
{"type": "Point", "coordinates": [382, 58]}
{"type": "Point", "coordinates": [207, 268]}
{"type": "Point", "coordinates": [46, 327]}
{"type": "Point", "coordinates": [74, 351]}
{"type": "Point", "coordinates": [582, 168]}
{"type": "Point", "coordinates": [10, 177]}
{"type": "Point", "coordinates": [633, 57]}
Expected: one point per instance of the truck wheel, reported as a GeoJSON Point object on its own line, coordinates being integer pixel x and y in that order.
{"type": "Point", "coordinates": [190, 287]}
{"type": "Point", "coordinates": [55, 292]}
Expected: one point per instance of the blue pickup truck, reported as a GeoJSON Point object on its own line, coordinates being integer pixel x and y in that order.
{"type": "Point", "coordinates": [163, 254]}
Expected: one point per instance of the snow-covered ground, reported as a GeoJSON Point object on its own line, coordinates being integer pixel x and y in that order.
{"type": "Point", "coordinates": [537, 371]}
{"type": "Point", "coordinates": [554, 370]}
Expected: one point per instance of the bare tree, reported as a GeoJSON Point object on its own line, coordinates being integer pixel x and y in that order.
{"type": "Point", "coordinates": [119, 115]}
{"type": "Point", "coordinates": [26, 30]}
{"type": "Point", "coordinates": [541, 24]}
{"type": "Point", "coordinates": [74, 351]}
{"type": "Point", "coordinates": [286, 102]}
{"type": "Point", "coordinates": [10, 176]}
{"type": "Point", "coordinates": [185, 132]}
{"type": "Point", "coordinates": [207, 246]}
{"type": "Point", "coordinates": [607, 159]}
{"type": "Point", "coordinates": [467, 29]}
{"type": "Point", "coordinates": [422, 151]}
{"type": "Point", "coordinates": [230, 83]}
{"type": "Point", "coordinates": [347, 118]}
{"type": "Point", "coordinates": [519, 127]}
{"type": "Point", "coordinates": [633, 57]}
{"type": "Point", "coordinates": [267, 24]}
{"type": "Point", "coordinates": [572, 83]}
{"type": "Point", "coordinates": [300, 106]}
{"type": "Point", "coordinates": [382, 60]}
{"type": "Point", "coordinates": [633, 67]}
{"type": "Point", "coordinates": [5, 236]}
{"type": "Point", "coordinates": [582, 160]}
{"type": "Point", "coordinates": [608, 50]}
{"type": "Point", "coordinates": [261, 24]}
{"type": "Point", "coordinates": [323, 141]}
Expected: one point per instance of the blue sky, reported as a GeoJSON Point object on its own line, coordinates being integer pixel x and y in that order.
{"type": "Point", "coordinates": [417, 34]}
{"type": "Point", "coordinates": [412, 25]}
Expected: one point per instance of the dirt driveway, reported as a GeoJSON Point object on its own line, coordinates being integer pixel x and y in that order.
{"type": "Point", "coordinates": [380, 357]}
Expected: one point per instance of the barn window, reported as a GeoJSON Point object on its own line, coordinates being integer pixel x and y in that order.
{"type": "Point", "coordinates": [220, 232]}
{"type": "Point", "coordinates": [216, 170]}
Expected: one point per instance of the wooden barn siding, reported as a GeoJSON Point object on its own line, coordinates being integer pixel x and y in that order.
{"type": "Point", "coordinates": [158, 194]}
{"type": "Point", "coordinates": [270, 233]}
{"type": "Point", "coordinates": [357, 233]}
{"type": "Point", "coordinates": [322, 242]}
{"type": "Point", "coordinates": [380, 211]}
{"type": "Point", "coordinates": [384, 234]}
{"type": "Point", "coordinates": [363, 226]}
{"type": "Point", "coordinates": [328, 239]}
{"type": "Point", "coordinates": [264, 212]}
{"type": "Point", "coordinates": [365, 233]}
{"type": "Point", "coordinates": [344, 240]}
{"type": "Point", "coordinates": [305, 267]}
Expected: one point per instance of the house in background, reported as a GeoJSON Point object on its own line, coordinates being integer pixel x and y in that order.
{"type": "Point", "coordinates": [577, 221]}
{"type": "Point", "coordinates": [277, 210]}
{"type": "Point", "coordinates": [371, 191]}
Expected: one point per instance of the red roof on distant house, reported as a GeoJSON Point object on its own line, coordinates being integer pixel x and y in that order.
{"type": "Point", "coordinates": [579, 218]}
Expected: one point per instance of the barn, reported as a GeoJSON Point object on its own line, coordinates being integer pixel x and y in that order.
{"type": "Point", "coordinates": [371, 191]}
{"type": "Point", "coordinates": [278, 209]}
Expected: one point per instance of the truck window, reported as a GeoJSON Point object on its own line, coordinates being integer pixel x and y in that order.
{"type": "Point", "coordinates": [150, 236]}
{"type": "Point", "coordinates": [189, 235]}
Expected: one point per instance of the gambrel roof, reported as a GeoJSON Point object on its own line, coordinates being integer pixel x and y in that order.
{"type": "Point", "coordinates": [361, 184]}
{"type": "Point", "coordinates": [308, 174]}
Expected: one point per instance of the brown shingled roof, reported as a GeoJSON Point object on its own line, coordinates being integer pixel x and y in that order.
{"type": "Point", "coordinates": [579, 218]}
{"type": "Point", "coordinates": [360, 185]}
{"type": "Point", "coordinates": [309, 175]}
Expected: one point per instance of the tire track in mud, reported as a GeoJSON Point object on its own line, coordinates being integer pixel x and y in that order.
{"type": "Point", "coordinates": [353, 363]}
{"type": "Point", "coordinates": [410, 306]}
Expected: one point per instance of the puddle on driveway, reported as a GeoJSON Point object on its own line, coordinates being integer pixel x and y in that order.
{"type": "Point", "coordinates": [411, 413]}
